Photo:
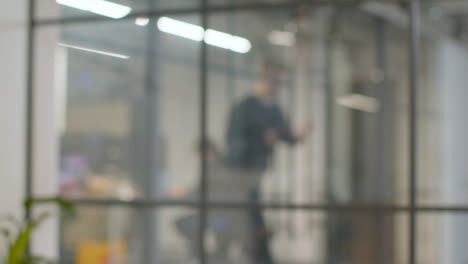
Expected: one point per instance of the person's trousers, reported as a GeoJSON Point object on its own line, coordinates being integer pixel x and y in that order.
{"type": "Point", "coordinates": [259, 236]}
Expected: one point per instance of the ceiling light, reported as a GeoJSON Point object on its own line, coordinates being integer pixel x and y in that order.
{"type": "Point", "coordinates": [241, 45]}
{"type": "Point", "coordinates": [282, 38]}
{"type": "Point", "coordinates": [100, 7]}
{"type": "Point", "coordinates": [227, 41]}
{"type": "Point", "coordinates": [142, 21]}
{"type": "Point", "coordinates": [218, 39]}
{"type": "Point", "coordinates": [181, 29]}
{"type": "Point", "coordinates": [359, 102]}
{"type": "Point", "coordinates": [210, 36]}
{"type": "Point", "coordinates": [107, 53]}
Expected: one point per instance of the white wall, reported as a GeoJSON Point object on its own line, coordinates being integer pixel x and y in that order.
{"type": "Point", "coordinates": [45, 148]}
{"type": "Point", "coordinates": [13, 35]}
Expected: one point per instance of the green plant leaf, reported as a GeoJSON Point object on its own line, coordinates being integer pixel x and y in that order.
{"type": "Point", "coordinates": [17, 250]}
{"type": "Point", "coordinates": [18, 246]}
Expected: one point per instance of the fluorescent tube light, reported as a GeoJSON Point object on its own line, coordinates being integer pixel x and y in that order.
{"type": "Point", "coordinates": [210, 36]}
{"type": "Point", "coordinates": [218, 39]}
{"type": "Point", "coordinates": [100, 7]}
{"type": "Point", "coordinates": [181, 29]}
{"type": "Point", "coordinates": [241, 45]}
{"type": "Point", "coordinates": [227, 41]}
{"type": "Point", "coordinates": [107, 53]}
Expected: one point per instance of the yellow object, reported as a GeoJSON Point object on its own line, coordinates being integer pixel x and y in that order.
{"type": "Point", "coordinates": [101, 252]}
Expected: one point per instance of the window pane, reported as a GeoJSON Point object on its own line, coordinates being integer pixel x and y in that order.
{"type": "Point", "coordinates": [237, 236]}
{"type": "Point", "coordinates": [125, 235]}
{"type": "Point", "coordinates": [442, 144]}
{"type": "Point", "coordinates": [441, 238]}
{"type": "Point", "coordinates": [341, 74]}
{"type": "Point", "coordinates": [127, 123]}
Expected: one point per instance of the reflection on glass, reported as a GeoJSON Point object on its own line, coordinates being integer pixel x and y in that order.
{"type": "Point", "coordinates": [101, 52]}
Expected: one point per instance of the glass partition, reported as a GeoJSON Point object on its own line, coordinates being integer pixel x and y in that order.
{"type": "Point", "coordinates": [307, 141]}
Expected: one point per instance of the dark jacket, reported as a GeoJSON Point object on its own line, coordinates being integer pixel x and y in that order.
{"type": "Point", "coordinates": [248, 123]}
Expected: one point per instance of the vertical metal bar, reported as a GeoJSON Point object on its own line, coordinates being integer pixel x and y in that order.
{"type": "Point", "coordinates": [413, 86]}
{"type": "Point", "coordinates": [382, 149]}
{"type": "Point", "coordinates": [203, 134]}
{"type": "Point", "coordinates": [29, 111]}
{"type": "Point", "coordinates": [29, 108]}
{"type": "Point", "coordinates": [150, 171]}
{"type": "Point", "coordinates": [382, 156]}
{"type": "Point", "coordinates": [290, 183]}
{"type": "Point", "coordinates": [329, 40]}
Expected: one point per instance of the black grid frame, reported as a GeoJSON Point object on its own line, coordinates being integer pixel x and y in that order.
{"type": "Point", "coordinates": [203, 205]}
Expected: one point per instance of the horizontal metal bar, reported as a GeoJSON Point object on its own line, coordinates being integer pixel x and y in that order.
{"type": "Point", "coordinates": [216, 205]}
{"type": "Point", "coordinates": [252, 6]}
{"type": "Point", "coordinates": [237, 205]}
{"type": "Point", "coordinates": [441, 209]}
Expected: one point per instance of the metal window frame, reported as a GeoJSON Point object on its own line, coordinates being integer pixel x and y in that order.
{"type": "Point", "coordinates": [204, 205]}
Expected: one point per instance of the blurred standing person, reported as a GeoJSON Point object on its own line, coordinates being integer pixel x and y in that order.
{"type": "Point", "coordinates": [255, 125]}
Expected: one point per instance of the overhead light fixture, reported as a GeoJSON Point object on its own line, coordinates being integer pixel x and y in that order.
{"type": "Point", "coordinates": [227, 41]}
{"type": "Point", "coordinates": [102, 52]}
{"type": "Point", "coordinates": [359, 102]}
{"type": "Point", "coordinates": [241, 45]}
{"type": "Point", "coordinates": [282, 38]}
{"type": "Point", "coordinates": [218, 39]}
{"type": "Point", "coordinates": [142, 21]}
{"type": "Point", "coordinates": [100, 7]}
{"type": "Point", "coordinates": [181, 29]}
{"type": "Point", "coordinates": [210, 36]}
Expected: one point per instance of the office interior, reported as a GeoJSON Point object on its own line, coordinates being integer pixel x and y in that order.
{"type": "Point", "coordinates": [122, 91]}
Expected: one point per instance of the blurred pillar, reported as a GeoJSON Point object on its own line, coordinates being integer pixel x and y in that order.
{"type": "Point", "coordinates": [49, 77]}
{"type": "Point", "coordinates": [452, 79]}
